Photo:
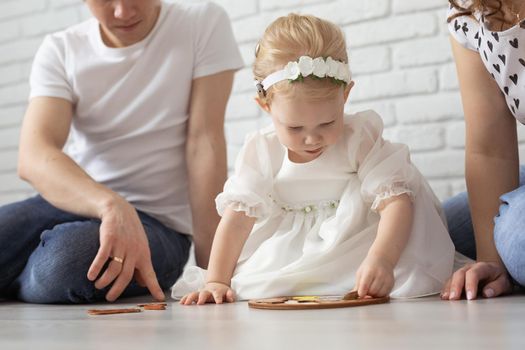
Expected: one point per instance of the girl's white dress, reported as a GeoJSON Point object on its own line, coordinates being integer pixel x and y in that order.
{"type": "Point", "coordinates": [316, 221]}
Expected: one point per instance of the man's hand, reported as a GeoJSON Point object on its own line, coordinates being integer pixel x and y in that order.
{"type": "Point", "coordinates": [490, 276]}
{"type": "Point", "coordinates": [123, 242]}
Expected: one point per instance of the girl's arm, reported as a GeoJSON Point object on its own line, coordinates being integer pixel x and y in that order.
{"type": "Point", "coordinates": [394, 228]}
{"type": "Point", "coordinates": [232, 232]}
{"type": "Point", "coordinates": [492, 169]}
{"type": "Point", "coordinates": [376, 274]}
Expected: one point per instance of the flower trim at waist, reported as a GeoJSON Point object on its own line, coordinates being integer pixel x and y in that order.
{"type": "Point", "coordinates": [306, 208]}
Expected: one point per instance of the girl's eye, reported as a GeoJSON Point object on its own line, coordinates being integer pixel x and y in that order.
{"type": "Point", "coordinates": [295, 128]}
{"type": "Point", "coordinates": [329, 123]}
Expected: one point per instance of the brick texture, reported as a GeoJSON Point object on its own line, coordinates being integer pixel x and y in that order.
{"type": "Point", "coordinates": [399, 53]}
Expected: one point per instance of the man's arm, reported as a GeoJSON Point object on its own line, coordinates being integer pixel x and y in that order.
{"type": "Point", "coordinates": [206, 156]}
{"type": "Point", "coordinates": [65, 185]}
{"type": "Point", "coordinates": [44, 165]}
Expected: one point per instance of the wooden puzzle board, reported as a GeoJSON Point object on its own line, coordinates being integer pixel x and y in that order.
{"type": "Point", "coordinates": [312, 302]}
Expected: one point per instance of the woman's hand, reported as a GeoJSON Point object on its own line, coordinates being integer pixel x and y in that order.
{"type": "Point", "coordinates": [213, 292]}
{"type": "Point", "coordinates": [490, 276]}
{"type": "Point", "coordinates": [124, 243]}
{"type": "Point", "coordinates": [375, 277]}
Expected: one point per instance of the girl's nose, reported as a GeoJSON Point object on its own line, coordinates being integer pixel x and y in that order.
{"type": "Point", "coordinates": [312, 139]}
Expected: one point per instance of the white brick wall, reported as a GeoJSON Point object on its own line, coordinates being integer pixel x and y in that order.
{"type": "Point", "coordinates": [399, 54]}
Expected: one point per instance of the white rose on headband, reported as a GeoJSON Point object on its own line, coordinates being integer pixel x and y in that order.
{"type": "Point", "coordinates": [292, 70]}
{"type": "Point", "coordinates": [333, 67]}
{"type": "Point", "coordinates": [343, 73]}
{"type": "Point", "coordinates": [319, 67]}
{"type": "Point", "coordinates": [306, 65]}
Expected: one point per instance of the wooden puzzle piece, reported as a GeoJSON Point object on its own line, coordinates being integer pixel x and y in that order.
{"type": "Point", "coordinates": [146, 306]}
{"type": "Point", "coordinates": [96, 312]}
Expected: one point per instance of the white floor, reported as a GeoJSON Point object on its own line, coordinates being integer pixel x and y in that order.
{"type": "Point", "coordinates": [427, 323]}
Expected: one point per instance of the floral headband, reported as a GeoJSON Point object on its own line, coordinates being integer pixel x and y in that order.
{"type": "Point", "coordinates": [306, 66]}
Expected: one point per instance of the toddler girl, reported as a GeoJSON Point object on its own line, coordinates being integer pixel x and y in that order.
{"type": "Point", "coordinates": [319, 203]}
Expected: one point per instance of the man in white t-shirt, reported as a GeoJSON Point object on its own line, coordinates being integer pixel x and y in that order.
{"type": "Point", "coordinates": [139, 91]}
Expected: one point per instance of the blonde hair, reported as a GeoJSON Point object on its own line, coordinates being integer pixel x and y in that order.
{"type": "Point", "coordinates": [290, 37]}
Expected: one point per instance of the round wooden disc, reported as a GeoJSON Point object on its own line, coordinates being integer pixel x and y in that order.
{"type": "Point", "coordinates": [291, 303]}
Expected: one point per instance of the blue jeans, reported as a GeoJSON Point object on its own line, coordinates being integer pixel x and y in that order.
{"type": "Point", "coordinates": [509, 228]}
{"type": "Point", "coordinates": [45, 254]}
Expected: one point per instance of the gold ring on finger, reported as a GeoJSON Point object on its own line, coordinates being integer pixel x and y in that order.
{"type": "Point", "coordinates": [119, 260]}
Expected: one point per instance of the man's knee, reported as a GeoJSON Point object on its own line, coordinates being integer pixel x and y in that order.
{"type": "Point", "coordinates": [509, 233]}
{"type": "Point", "coordinates": [57, 270]}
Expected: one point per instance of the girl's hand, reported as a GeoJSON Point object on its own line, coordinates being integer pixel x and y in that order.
{"type": "Point", "coordinates": [213, 292]}
{"type": "Point", "coordinates": [375, 277]}
{"type": "Point", "coordinates": [491, 276]}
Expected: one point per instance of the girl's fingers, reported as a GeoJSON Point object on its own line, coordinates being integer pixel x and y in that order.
{"type": "Point", "coordinates": [229, 296]}
{"type": "Point", "coordinates": [217, 297]}
{"type": "Point", "coordinates": [375, 287]}
{"type": "Point", "coordinates": [385, 290]}
{"type": "Point", "coordinates": [203, 297]}
{"type": "Point", "coordinates": [191, 298]}
{"type": "Point", "coordinates": [386, 286]}
{"type": "Point", "coordinates": [364, 285]}
{"type": "Point", "coordinates": [357, 280]}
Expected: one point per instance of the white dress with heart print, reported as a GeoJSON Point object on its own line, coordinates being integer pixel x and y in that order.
{"type": "Point", "coordinates": [316, 221]}
{"type": "Point", "coordinates": [502, 53]}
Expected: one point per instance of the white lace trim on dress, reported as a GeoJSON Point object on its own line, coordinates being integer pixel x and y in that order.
{"type": "Point", "coordinates": [252, 208]}
{"type": "Point", "coordinates": [393, 191]}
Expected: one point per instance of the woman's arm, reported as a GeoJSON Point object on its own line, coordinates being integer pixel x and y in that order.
{"type": "Point", "coordinates": [232, 232]}
{"type": "Point", "coordinates": [376, 274]}
{"type": "Point", "coordinates": [491, 149]}
{"type": "Point", "coordinates": [492, 169]}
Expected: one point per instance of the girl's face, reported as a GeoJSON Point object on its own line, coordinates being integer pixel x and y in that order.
{"type": "Point", "coordinates": [307, 128]}
{"type": "Point", "coordinates": [124, 22]}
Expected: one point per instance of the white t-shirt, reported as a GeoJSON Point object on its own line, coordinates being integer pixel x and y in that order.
{"type": "Point", "coordinates": [502, 54]}
{"type": "Point", "coordinates": [131, 104]}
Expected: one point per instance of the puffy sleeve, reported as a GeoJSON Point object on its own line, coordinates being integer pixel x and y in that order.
{"type": "Point", "coordinates": [249, 188]}
{"type": "Point", "coordinates": [384, 168]}
{"type": "Point", "coordinates": [464, 29]}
